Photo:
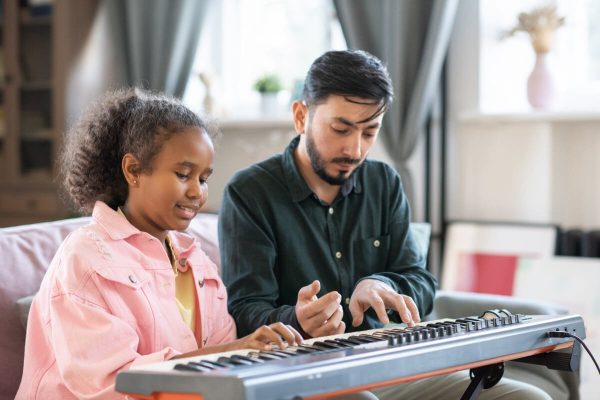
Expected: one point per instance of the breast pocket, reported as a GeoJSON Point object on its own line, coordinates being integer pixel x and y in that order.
{"type": "Point", "coordinates": [370, 255]}
{"type": "Point", "coordinates": [126, 293]}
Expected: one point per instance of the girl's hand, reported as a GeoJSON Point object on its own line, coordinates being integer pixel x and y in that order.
{"type": "Point", "coordinates": [262, 339]}
{"type": "Point", "coordinates": [265, 337]}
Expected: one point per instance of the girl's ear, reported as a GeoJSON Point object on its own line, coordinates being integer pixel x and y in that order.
{"type": "Point", "coordinates": [131, 169]}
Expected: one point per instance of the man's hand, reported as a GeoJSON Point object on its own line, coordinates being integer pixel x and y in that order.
{"type": "Point", "coordinates": [319, 317]}
{"type": "Point", "coordinates": [380, 296]}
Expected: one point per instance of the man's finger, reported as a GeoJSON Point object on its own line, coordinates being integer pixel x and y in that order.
{"type": "Point", "coordinates": [308, 292]}
{"type": "Point", "coordinates": [412, 306]}
{"type": "Point", "coordinates": [397, 303]}
{"type": "Point", "coordinates": [331, 326]}
{"type": "Point", "coordinates": [379, 306]}
{"type": "Point", "coordinates": [357, 311]}
{"type": "Point", "coordinates": [323, 307]}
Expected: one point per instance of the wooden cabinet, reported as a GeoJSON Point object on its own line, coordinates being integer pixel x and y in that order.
{"type": "Point", "coordinates": [31, 113]}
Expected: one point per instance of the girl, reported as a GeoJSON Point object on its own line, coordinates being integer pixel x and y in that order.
{"type": "Point", "coordinates": [128, 288]}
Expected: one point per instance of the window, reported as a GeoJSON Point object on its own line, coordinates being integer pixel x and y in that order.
{"type": "Point", "coordinates": [506, 64]}
{"type": "Point", "coordinates": [244, 39]}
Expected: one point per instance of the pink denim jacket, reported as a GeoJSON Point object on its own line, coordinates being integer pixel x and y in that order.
{"type": "Point", "coordinates": [107, 303]}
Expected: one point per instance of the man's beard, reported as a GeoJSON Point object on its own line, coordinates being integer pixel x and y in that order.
{"type": "Point", "coordinates": [318, 164]}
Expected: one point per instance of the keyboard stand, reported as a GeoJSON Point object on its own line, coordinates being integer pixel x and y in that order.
{"type": "Point", "coordinates": [483, 378]}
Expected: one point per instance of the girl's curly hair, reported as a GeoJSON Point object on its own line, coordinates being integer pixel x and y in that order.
{"type": "Point", "coordinates": [123, 121]}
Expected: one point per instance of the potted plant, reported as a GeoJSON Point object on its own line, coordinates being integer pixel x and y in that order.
{"type": "Point", "coordinates": [268, 85]}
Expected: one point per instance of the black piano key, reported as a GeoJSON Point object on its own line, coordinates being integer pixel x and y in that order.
{"type": "Point", "coordinates": [213, 363]}
{"type": "Point", "coordinates": [369, 338]}
{"type": "Point", "coordinates": [288, 352]}
{"type": "Point", "coordinates": [325, 345]}
{"type": "Point", "coordinates": [400, 339]}
{"type": "Point", "coordinates": [276, 353]}
{"type": "Point", "coordinates": [203, 365]}
{"type": "Point", "coordinates": [362, 339]}
{"type": "Point", "coordinates": [268, 357]}
{"type": "Point", "coordinates": [468, 325]}
{"type": "Point", "coordinates": [338, 342]}
{"type": "Point", "coordinates": [472, 323]}
{"type": "Point", "coordinates": [310, 348]}
{"type": "Point", "coordinates": [351, 342]}
{"type": "Point", "coordinates": [190, 367]}
{"type": "Point", "coordinates": [246, 358]}
{"type": "Point", "coordinates": [233, 361]}
{"type": "Point", "coordinates": [304, 350]}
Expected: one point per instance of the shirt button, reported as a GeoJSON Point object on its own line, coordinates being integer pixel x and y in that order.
{"type": "Point", "coordinates": [331, 210]}
{"type": "Point", "coordinates": [182, 261]}
{"type": "Point", "coordinates": [376, 243]}
{"type": "Point", "coordinates": [338, 254]}
{"type": "Point", "coordinates": [347, 300]}
{"type": "Point", "coordinates": [201, 282]}
{"type": "Point", "coordinates": [133, 279]}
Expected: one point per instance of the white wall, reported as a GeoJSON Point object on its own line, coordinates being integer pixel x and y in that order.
{"type": "Point", "coordinates": [525, 167]}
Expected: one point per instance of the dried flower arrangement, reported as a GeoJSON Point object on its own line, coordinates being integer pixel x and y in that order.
{"type": "Point", "coordinates": [540, 23]}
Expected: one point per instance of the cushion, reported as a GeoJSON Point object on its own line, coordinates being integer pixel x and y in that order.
{"type": "Point", "coordinates": [23, 306]}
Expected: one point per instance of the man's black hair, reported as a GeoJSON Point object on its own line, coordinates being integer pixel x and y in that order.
{"type": "Point", "coordinates": [351, 74]}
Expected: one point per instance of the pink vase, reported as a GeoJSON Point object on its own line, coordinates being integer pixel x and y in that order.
{"type": "Point", "coordinates": [541, 91]}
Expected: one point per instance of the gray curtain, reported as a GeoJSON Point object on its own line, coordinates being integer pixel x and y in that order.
{"type": "Point", "coordinates": [411, 37]}
{"type": "Point", "coordinates": [154, 41]}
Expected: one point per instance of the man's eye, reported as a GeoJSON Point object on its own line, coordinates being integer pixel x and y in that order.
{"type": "Point", "coordinates": [340, 130]}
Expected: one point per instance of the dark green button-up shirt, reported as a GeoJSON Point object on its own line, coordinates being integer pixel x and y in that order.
{"type": "Point", "coordinates": [276, 236]}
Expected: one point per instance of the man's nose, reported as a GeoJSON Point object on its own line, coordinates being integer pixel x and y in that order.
{"type": "Point", "coordinates": [353, 147]}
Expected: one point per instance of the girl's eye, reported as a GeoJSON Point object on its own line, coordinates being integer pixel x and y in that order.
{"type": "Point", "coordinates": [203, 181]}
{"type": "Point", "coordinates": [181, 176]}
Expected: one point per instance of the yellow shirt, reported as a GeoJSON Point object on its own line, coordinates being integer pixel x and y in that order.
{"type": "Point", "coordinates": [185, 293]}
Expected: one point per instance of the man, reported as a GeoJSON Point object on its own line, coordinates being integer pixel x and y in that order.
{"type": "Point", "coordinates": [318, 237]}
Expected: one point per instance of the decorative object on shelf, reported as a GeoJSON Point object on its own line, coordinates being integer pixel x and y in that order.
{"type": "Point", "coordinates": [541, 24]}
{"type": "Point", "coordinates": [209, 104]}
{"type": "Point", "coordinates": [269, 86]}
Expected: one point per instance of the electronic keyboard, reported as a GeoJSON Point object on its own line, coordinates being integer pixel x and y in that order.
{"type": "Point", "coordinates": [350, 362]}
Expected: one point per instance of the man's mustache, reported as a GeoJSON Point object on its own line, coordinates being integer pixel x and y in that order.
{"type": "Point", "coordinates": [345, 160]}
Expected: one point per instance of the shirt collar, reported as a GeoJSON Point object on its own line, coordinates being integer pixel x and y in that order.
{"type": "Point", "coordinates": [118, 227]}
{"type": "Point", "coordinates": [296, 184]}
{"type": "Point", "coordinates": [115, 223]}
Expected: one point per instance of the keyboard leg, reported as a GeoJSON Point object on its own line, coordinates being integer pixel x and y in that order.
{"type": "Point", "coordinates": [483, 378]}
